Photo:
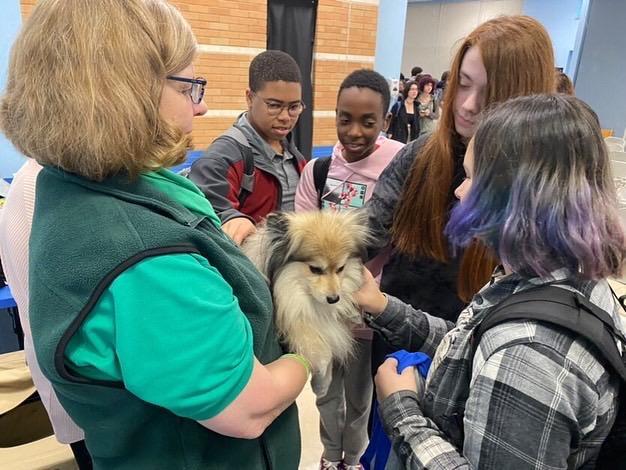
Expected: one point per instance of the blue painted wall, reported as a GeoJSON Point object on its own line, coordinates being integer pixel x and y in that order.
{"type": "Point", "coordinates": [10, 159]}
{"type": "Point", "coordinates": [601, 78]}
{"type": "Point", "coordinates": [390, 37]}
{"type": "Point", "coordinates": [561, 19]}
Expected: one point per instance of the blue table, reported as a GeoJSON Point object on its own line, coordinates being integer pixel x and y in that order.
{"type": "Point", "coordinates": [7, 302]}
{"type": "Point", "coordinates": [6, 298]}
{"type": "Point", "coordinates": [192, 156]}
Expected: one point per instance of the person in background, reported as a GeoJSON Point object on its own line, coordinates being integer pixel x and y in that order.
{"type": "Point", "coordinates": [415, 71]}
{"type": "Point", "coordinates": [414, 195]}
{"type": "Point", "coordinates": [155, 330]}
{"type": "Point", "coordinates": [427, 105]}
{"type": "Point", "coordinates": [401, 84]}
{"type": "Point", "coordinates": [529, 394]}
{"type": "Point", "coordinates": [562, 83]}
{"type": "Point", "coordinates": [344, 391]}
{"type": "Point", "coordinates": [16, 219]}
{"type": "Point", "coordinates": [404, 122]}
{"type": "Point", "coordinates": [441, 87]}
{"type": "Point", "coordinates": [260, 139]}
{"type": "Point", "coordinates": [396, 89]}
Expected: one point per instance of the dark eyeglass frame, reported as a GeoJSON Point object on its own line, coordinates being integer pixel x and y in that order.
{"type": "Point", "coordinates": [198, 85]}
{"type": "Point", "coordinates": [290, 107]}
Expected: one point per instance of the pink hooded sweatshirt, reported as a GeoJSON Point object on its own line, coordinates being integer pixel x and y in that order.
{"type": "Point", "coordinates": [348, 185]}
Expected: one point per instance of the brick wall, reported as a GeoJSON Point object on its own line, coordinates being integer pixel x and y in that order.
{"type": "Point", "coordinates": [345, 40]}
{"type": "Point", "coordinates": [232, 32]}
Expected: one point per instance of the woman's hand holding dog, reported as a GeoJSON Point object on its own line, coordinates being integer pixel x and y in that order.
{"type": "Point", "coordinates": [369, 297]}
{"type": "Point", "coordinates": [239, 229]}
{"type": "Point", "coordinates": [388, 381]}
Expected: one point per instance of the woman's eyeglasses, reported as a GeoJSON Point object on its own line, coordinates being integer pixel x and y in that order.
{"type": "Point", "coordinates": [197, 87]}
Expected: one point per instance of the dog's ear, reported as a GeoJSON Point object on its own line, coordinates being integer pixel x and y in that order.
{"type": "Point", "coordinates": [277, 223]}
{"type": "Point", "coordinates": [277, 229]}
{"type": "Point", "coordinates": [356, 222]}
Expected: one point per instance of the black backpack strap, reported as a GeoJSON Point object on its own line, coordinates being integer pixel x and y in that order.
{"type": "Point", "coordinates": [564, 308]}
{"type": "Point", "coordinates": [621, 299]}
{"type": "Point", "coordinates": [320, 173]}
{"type": "Point", "coordinates": [234, 133]}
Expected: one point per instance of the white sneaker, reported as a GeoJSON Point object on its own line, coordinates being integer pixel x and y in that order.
{"type": "Point", "coordinates": [330, 465]}
{"type": "Point", "coordinates": [358, 466]}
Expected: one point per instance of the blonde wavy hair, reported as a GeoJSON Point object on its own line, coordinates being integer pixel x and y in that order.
{"type": "Point", "coordinates": [85, 82]}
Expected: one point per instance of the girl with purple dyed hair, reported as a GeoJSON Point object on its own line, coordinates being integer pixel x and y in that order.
{"type": "Point", "coordinates": [539, 193]}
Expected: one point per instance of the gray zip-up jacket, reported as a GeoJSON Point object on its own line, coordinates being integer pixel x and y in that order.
{"type": "Point", "coordinates": [220, 174]}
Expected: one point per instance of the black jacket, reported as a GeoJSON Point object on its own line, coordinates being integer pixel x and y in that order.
{"type": "Point", "coordinates": [424, 283]}
{"type": "Point", "coordinates": [402, 128]}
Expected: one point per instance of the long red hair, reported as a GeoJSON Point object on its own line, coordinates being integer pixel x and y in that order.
{"type": "Point", "coordinates": [517, 54]}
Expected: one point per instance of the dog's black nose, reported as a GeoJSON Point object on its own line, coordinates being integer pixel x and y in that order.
{"type": "Point", "coordinates": [332, 299]}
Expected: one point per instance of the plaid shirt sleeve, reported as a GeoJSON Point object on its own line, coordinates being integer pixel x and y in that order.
{"type": "Point", "coordinates": [416, 439]}
{"type": "Point", "coordinates": [529, 406]}
{"type": "Point", "coordinates": [404, 327]}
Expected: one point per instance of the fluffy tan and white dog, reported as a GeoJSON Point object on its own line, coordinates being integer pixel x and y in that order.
{"type": "Point", "coordinates": [312, 261]}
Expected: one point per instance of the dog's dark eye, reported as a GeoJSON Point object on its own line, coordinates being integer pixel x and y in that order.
{"type": "Point", "coordinates": [340, 269]}
{"type": "Point", "coordinates": [316, 270]}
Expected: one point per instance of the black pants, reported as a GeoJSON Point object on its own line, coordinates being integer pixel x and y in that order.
{"type": "Point", "coordinates": [81, 455]}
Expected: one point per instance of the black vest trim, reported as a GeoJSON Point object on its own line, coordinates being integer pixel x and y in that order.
{"type": "Point", "coordinates": [59, 355]}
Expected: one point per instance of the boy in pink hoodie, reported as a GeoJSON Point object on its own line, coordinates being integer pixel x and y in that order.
{"type": "Point", "coordinates": [362, 153]}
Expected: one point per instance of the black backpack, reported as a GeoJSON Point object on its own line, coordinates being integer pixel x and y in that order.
{"type": "Point", "coordinates": [321, 166]}
{"type": "Point", "coordinates": [574, 312]}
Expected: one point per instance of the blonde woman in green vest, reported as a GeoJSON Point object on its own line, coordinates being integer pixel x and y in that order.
{"type": "Point", "coordinates": [154, 329]}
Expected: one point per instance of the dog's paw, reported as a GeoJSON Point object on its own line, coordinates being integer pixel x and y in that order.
{"type": "Point", "coordinates": [321, 366]}
{"type": "Point", "coordinates": [320, 362]}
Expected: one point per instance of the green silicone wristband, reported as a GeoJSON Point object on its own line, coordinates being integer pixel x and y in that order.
{"type": "Point", "coordinates": [301, 359]}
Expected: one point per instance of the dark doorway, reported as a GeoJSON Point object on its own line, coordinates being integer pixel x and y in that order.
{"type": "Point", "coordinates": [291, 29]}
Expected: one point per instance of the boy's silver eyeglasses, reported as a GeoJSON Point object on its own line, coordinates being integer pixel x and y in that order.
{"type": "Point", "coordinates": [274, 108]}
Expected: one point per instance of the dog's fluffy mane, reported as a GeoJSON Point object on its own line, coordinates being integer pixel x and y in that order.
{"type": "Point", "coordinates": [281, 249]}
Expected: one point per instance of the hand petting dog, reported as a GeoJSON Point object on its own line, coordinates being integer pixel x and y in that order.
{"type": "Point", "coordinates": [369, 297]}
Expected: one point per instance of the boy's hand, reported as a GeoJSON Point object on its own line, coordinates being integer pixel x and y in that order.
{"type": "Point", "coordinates": [388, 381]}
{"type": "Point", "coordinates": [239, 229]}
{"type": "Point", "coordinates": [369, 297]}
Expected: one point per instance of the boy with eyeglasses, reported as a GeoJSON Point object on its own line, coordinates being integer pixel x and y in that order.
{"type": "Point", "coordinates": [253, 168]}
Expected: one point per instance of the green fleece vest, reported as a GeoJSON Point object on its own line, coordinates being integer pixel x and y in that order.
{"type": "Point", "coordinates": [84, 235]}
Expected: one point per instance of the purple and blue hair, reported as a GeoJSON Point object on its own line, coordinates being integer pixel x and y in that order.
{"type": "Point", "coordinates": [542, 195]}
